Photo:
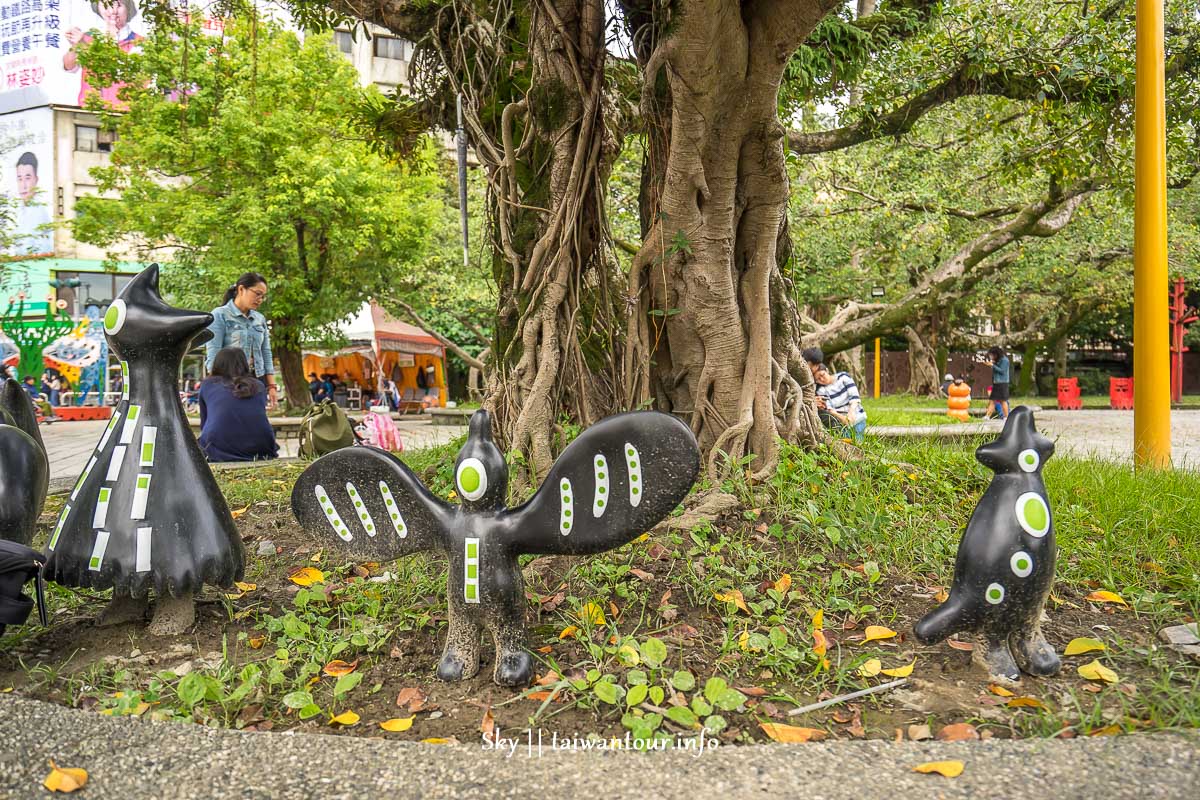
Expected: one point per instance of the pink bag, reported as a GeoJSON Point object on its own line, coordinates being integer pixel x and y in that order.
{"type": "Point", "coordinates": [378, 430]}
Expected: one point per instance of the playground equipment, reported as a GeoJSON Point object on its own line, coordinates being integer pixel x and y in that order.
{"type": "Point", "coordinates": [1068, 394]}
{"type": "Point", "coordinates": [958, 401]}
{"type": "Point", "coordinates": [1120, 393]}
{"type": "Point", "coordinates": [1181, 317]}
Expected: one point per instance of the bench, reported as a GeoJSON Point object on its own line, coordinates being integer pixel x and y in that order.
{"type": "Point", "coordinates": [449, 416]}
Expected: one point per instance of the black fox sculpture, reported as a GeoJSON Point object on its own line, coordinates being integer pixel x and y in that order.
{"type": "Point", "coordinates": [24, 470]}
{"type": "Point", "coordinates": [1005, 564]}
{"type": "Point", "coordinates": [614, 482]}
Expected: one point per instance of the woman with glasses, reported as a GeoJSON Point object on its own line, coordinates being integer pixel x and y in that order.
{"type": "Point", "coordinates": [239, 324]}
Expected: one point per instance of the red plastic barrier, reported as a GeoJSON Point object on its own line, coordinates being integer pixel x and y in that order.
{"type": "Point", "coordinates": [1120, 393]}
{"type": "Point", "coordinates": [82, 412]}
{"type": "Point", "coordinates": [1068, 394]}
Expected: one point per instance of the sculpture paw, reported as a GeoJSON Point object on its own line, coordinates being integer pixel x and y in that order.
{"type": "Point", "coordinates": [453, 667]}
{"type": "Point", "coordinates": [1037, 657]}
{"type": "Point", "coordinates": [1000, 663]}
{"type": "Point", "coordinates": [514, 669]}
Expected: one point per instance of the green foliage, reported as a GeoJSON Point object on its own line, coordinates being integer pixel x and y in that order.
{"type": "Point", "coordinates": [237, 154]}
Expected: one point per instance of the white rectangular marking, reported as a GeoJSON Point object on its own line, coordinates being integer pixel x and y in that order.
{"type": "Point", "coordinates": [130, 426]}
{"type": "Point", "coordinates": [83, 476]}
{"type": "Point", "coordinates": [114, 466]}
{"type": "Point", "coordinates": [143, 550]}
{"type": "Point", "coordinates": [141, 495]}
{"type": "Point", "coordinates": [98, 551]}
{"type": "Point", "coordinates": [100, 516]}
{"type": "Point", "coordinates": [112, 426]}
{"type": "Point", "coordinates": [147, 451]}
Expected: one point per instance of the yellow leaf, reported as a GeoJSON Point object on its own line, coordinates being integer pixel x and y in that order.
{"type": "Point", "coordinates": [875, 632]}
{"type": "Point", "coordinates": [63, 779]}
{"type": "Point", "coordinates": [941, 596]}
{"type": "Point", "coordinates": [642, 538]}
{"type": "Point", "coordinates": [257, 641]}
{"type": "Point", "coordinates": [568, 632]}
{"type": "Point", "coordinates": [346, 718]}
{"type": "Point", "coordinates": [999, 691]}
{"type": "Point", "coordinates": [592, 614]}
{"type": "Point", "coordinates": [1079, 646]}
{"type": "Point", "coordinates": [900, 672]}
{"type": "Point", "coordinates": [791, 734]}
{"type": "Point", "coordinates": [436, 740]}
{"type": "Point", "coordinates": [820, 643]}
{"type": "Point", "coordinates": [784, 583]}
{"type": "Point", "coordinates": [818, 620]}
{"type": "Point", "coordinates": [246, 587]}
{"type": "Point", "coordinates": [1106, 597]}
{"type": "Point", "coordinates": [1025, 702]}
{"type": "Point", "coordinates": [340, 668]}
{"type": "Point", "coordinates": [307, 576]}
{"type": "Point", "coordinates": [743, 640]}
{"type": "Point", "coordinates": [397, 724]}
{"type": "Point", "coordinates": [316, 557]}
{"type": "Point", "coordinates": [870, 668]}
{"type": "Point", "coordinates": [1095, 671]}
{"type": "Point", "coordinates": [732, 596]}
{"type": "Point", "coordinates": [237, 512]}
{"type": "Point", "coordinates": [950, 769]}
{"type": "Point", "coordinates": [1107, 730]}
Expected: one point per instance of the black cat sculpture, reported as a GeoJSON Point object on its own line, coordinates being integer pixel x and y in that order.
{"type": "Point", "coordinates": [614, 482]}
{"type": "Point", "coordinates": [146, 512]}
{"type": "Point", "coordinates": [24, 470]}
{"type": "Point", "coordinates": [1005, 564]}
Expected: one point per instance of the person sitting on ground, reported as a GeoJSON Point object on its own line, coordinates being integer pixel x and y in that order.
{"type": "Point", "coordinates": [233, 411]}
{"type": "Point", "coordinates": [314, 387]}
{"type": "Point", "coordinates": [839, 404]}
{"type": "Point", "coordinates": [944, 389]}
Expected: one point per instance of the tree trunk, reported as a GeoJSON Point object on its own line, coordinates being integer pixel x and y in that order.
{"type": "Point", "coordinates": [285, 347]}
{"type": "Point", "coordinates": [1025, 383]}
{"type": "Point", "coordinates": [715, 333]}
{"type": "Point", "coordinates": [1060, 358]}
{"type": "Point", "coordinates": [923, 378]}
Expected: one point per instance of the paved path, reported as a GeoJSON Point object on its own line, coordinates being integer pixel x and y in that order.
{"type": "Point", "coordinates": [136, 759]}
{"type": "Point", "coordinates": [68, 444]}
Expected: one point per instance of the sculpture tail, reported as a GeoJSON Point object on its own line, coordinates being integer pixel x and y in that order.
{"type": "Point", "coordinates": [946, 620]}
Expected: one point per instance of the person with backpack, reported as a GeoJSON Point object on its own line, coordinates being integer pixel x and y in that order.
{"type": "Point", "coordinates": [233, 412]}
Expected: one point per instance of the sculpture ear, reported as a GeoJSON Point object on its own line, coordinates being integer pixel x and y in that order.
{"type": "Point", "coordinates": [617, 480]}
{"type": "Point", "coordinates": [16, 409]}
{"type": "Point", "coordinates": [202, 337]}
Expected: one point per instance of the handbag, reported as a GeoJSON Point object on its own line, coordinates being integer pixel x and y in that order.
{"type": "Point", "coordinates": [323, 429]}
{"type": "Point", "coordinates": [18, 565]}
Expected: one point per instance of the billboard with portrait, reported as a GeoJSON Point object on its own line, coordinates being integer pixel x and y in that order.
{"type": "Point", "coordinates": [27, 179]}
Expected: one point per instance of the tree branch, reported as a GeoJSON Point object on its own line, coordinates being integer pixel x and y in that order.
{"type": "Point", "coordinates": [470, 360]}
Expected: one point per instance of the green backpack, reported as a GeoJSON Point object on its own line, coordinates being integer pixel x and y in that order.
{"type": "Point", "coordinates": [323, 429]}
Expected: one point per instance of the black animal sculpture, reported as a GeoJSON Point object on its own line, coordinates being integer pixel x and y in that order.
{"type": "Point", "coordinates": [24, 470]}
{"type": "Point", "coordinates": [614, 482]}
{"type": "Point", "coordinates": [1005, 564]}
{"type": "Point", "coordinates": [146, 512]}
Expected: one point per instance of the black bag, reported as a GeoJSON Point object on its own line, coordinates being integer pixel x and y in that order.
{"type": "Point", "coordinates": [18, 564]}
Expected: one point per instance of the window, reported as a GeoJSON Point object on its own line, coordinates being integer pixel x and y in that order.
{"type": "Point", "coordinates": [343, 40]}
{"type": "Point", "coordinates": [90, 139]}
{"type": "Point", "coordinates": [94, 289]}
{"type": "Point", "coordinates": [392, 47]}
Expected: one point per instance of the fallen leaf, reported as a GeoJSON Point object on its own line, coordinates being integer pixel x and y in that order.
{"type": "Point", "coordinates": [237, 512]}
{"type": "Point", "coordinates": [246, 587]}
{"type": "Point", "coordinates": [957, 645]}
{"type": "Point", "coordinates": [546, 649]}
{"type": "Point", "coordinates": [998, 690]}
{"type": "Point", "coordinates": [1025, 702]}
{"type": "Point", "coordinates": [949, 769]}
{"type": "Point", "coordinates": [870, 668]}
{"type": "Point", "coordinates": [1106, 597]}
{"type": "Point", "coordinates": [841, 716]}
{"type": "Point", "coordinates": [1150, 566]}
{"type": "Point", "coordinates": [488, 725]}
{"type": "Point", "coordinates": [791, 734]}
{"type": "Point", "coordinates": [919, 733]}
{"type": "Point", "coordinates": [744, 641]}
{"type": "Point", "coordinates": [548, 679]}
{"type": "Point", "coordinates": [569, 632]}
{"type": "Point", "coordinates": [306, 576]}
{"type": "Point", "coordinates": [958, 732]}
{"type": "Point", "coordinates": [1107, 730]}
{"type": "Point", "coordinates": [818, 620]}
{"type": "Point", "coordinates": [641, 574]}
{"type": "Point", "coordinates": [256, 642]}
{"type": "Point", "coordinates": [877, 632]}
{"type": "Point", "coordinates": [65, 779]}
{"type": "Point", "coordinates": [1095, 671]}
{"type": "Point", "coordinates": [346, 718]}
{"type": "Point", "coordinates": [784, 583]}
{"type": "Point", "coordinates": [900, 672]}
{"type": "Point", "coordinates": [941, 596]}
{"type": "Point", "coordinates": [437, 740]}
{"type": "Point", "coordinates": [820, 642]}
{"type": "Point", "coordinates": [397, 724]}
{"type": "Point", "coordinates": [733, 596]}
{"type": "Point", "coordinates": [340, 668]}
{"type": "Point", "coordinates": [752, 691]}
{"type": "Point", "coordinates": [1078, 646]}
{"type": "Point", "coordinates": [412, 698]}
{"type": "Point", "coordinates": [592, 614]}
{"type": "Point", "coordinates": [540, 696]}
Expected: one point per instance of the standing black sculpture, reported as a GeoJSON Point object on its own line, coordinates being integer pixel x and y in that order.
{"type": "Point", "coordinates": [1005, 564]}
{"type": "Point", "coordinates": [614, 482]}
{"type": "Point", "coordinates": [146, 512]}
{"type": "Point", "coordinates": [24, 470]}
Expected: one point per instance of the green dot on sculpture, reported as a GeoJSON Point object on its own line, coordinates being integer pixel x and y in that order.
{"type": "Point", "coordinates": [110, 318]}
{"type": "Point", "coordinates": [1035, 514]}
{"type": "Point", "coordinates": [469, 480]}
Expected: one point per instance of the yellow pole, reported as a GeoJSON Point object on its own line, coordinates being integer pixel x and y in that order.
{"type": "Point", "coordinates": [1152, 361]}
{"type": "Point", "coordinates": [876, 367]}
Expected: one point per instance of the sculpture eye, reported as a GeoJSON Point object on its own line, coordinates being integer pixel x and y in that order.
{"type": "Point", "coordinates": [1028, 460]}
{"type": "Point", "coordinates": [114, 318]}
{"type": "Point", "coordinates": [471, 478]}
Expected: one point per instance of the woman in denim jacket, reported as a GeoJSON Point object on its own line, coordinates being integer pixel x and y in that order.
{"type": "Point", "coordinates": [239, 324]}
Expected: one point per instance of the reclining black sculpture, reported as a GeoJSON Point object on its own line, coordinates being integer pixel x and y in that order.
{"type": "Point", "coordinates": [614, 482]}
{"type": "Point", "coordinates": [24, 470]}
